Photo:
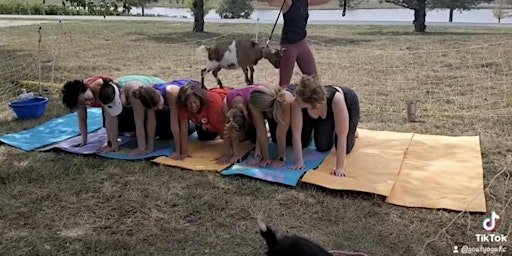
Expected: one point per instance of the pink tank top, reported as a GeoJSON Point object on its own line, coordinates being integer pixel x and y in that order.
{"type": "Point", "coordinates": [244, 92]}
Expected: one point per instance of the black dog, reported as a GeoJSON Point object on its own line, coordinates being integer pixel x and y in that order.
{"type": "Point", "coordinates": [289, 245]}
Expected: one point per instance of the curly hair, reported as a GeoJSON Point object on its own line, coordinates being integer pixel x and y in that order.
{"type": "Point", "coordinates": [71, 91]}
{"type": "Point", "coordinates": [270, 99]}
{"type": "Point", "coordinates": [311, 91]}
{"type": "Point", "coordinates": [192, 88]}
{"type": "Point", "coordinates": [235, 123]}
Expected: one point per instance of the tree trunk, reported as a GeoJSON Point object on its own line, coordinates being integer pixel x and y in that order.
{"type": "Point", "coordinates": [198, 16]}
{"type": "Point", "coordinates": [142, 10]}
{"type": "Point", "coordinates": [450, 19]}
{"type": "Point", "coordinates": [420, 14]}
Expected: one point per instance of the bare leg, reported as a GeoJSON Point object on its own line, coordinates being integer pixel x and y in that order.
{"type": "Point", "coordinates": [246, 74]}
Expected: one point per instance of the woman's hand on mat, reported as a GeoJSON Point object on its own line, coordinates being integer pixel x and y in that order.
{"type": "Point", "coordinates": [276, 164]}
{"type": "Point", "coordinates": [298, 166]}
{"type": "Point", "coordinates": [264, 163]}
{"type": "Point", "coordinates": [79, 145]}
{"type": "Point", "coordinates": [177, 156]}
{"type": "Point", "coordinates": [224, 159]}
{"type": "Point", "coordinates": [254, 161]}
{"type": "Point", "coordinates": [108, 149]}
{"type": "Point", "coordinates": [340, 172]}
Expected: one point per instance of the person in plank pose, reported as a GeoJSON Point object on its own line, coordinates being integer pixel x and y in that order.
{"type": "Point", "coordinates": [77, 95]}
{"type": "Point", "coordinates": [114, 95]}
{"type": "Point", "coordinates": [333, 115]}
{"type": "Point", "coordinates": [164, 96]}
{"type": "Point", "coordinates": [273, 104]}
{"type": "Point", "coordinates": [204, 108]}
{"type": "Point", "coordinates": [239, 126]}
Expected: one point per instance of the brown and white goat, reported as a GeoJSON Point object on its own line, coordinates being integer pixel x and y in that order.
{"type": "Point", "coordinates": [243, 54]}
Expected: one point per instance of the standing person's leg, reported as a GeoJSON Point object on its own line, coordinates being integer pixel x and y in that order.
{"type": "Point", "coordinates": [305, 59]}
{"type": "Point", "coordinates": [287, 63]}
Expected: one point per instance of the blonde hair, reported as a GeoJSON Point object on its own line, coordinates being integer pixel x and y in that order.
{"type": "Point", "coordinates": [270, 99]}
{"type": "Point", "coordinates": [311, 91]}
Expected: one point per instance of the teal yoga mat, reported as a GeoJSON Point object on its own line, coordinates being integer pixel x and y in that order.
{"type": "Point", "coordinates": [53, 131]}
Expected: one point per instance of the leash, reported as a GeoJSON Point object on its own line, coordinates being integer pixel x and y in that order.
{"type": "Point", "coordinates": [344, 8]}
{"type": "Point", "coordinates": [275, 23]}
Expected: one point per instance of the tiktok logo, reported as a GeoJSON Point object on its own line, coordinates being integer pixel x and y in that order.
{"type": "Point", "coordinates": [491, 223]}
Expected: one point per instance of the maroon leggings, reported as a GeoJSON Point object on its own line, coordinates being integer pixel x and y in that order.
{"type": "Point", "coordinates": [299, 53]}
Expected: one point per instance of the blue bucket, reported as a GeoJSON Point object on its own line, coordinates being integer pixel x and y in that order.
{"type": "Point", "coordinates": [29, 108]}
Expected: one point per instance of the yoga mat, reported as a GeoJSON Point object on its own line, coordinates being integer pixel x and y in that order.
{"type": "Point", "coordinates": [372, 166]}
{"type": "Point", "coordinates": [441, 172]}
{"type": "Point", "coordinates": [282, 175]}
{"type": "Point", "coordinates": [161, 148]}
{"type": "Point", "coordinates": [202, 156]}
{"type": "Point", "coordinates": [55, 130]}
{"type": "Point", "coordinates": [95, 141]}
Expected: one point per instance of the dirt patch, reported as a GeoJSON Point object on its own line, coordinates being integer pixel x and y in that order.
{"type": "Point", "coordinates": [12, 23]}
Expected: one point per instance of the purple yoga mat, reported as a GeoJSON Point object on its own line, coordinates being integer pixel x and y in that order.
{"type": "Point", "coordinates": [95, 141]}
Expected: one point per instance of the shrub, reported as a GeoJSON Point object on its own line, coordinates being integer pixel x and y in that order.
{"type": "Point", "coordinates": [235, 9]}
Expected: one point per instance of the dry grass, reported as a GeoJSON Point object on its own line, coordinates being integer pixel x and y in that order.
{"type": "Point", "coordinates": [57, 203]}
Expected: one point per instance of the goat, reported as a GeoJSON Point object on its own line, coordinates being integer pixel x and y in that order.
{"type": "Point", "coordinates": [236, 54]}
{"type": "Point", "coordinates": [296, 245]}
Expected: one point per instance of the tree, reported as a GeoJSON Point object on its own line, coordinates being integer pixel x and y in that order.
{"type": "Point", "coordinates": [460, 5]}
{"type": "Point", "coordinates": [500, 11]}
{"type": "Point", "coordinates": [420, 12]}
{"type": "Point", "coordinates": [235, 9]}
{"type": "Point", "coordinates": [198, 6]}
{"type": "Point", "coordinates": [138, 3]}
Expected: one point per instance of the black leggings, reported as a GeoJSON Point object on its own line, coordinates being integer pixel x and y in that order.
{"type": "Point", "coordinates": [305, 138]}
{"type": "Point", "coordinates": [126, 123]}
{"type": "Point", "coordinates": [324, 129]}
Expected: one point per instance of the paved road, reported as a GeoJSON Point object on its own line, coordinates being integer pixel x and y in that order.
{"type": "Point", "coordinates": [316, 22]}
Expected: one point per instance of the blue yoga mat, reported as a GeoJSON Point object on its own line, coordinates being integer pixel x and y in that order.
{"type": "Point", "coordinates": [55, 130]}
{"type": "Point", "coordinates": [283, 175]}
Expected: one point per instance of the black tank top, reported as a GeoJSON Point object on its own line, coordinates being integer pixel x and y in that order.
{"type": "Point", "coordinates": [295, 22]}
{"type": "Point", "coordinates": [331, 91]}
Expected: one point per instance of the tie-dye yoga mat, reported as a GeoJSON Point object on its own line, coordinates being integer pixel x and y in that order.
{"type": "Point", "coordinates": [283, 175]}
{"type": "Point", "coordinates": [97, 139]}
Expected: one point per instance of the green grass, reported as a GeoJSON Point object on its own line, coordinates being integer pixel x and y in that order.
{"type": "Point", "coordinates": [57, 203]}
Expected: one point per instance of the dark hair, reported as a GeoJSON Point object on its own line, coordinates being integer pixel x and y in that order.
{"type": "Point", "coordinates": [189, 89]}
{"type": "Point", "coordinates": [70, 92]}
{"type": "Point", "coordinates": [106, 93]}
{"type": "Point", "coordinates": [148, 96]}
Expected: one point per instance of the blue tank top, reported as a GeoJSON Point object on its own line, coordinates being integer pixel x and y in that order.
{"type": "Point", "coordinates": [162, 87]}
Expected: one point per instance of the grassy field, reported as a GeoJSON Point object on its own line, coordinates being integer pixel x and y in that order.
{"type": "Point", "coordinates": [58, 203]}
